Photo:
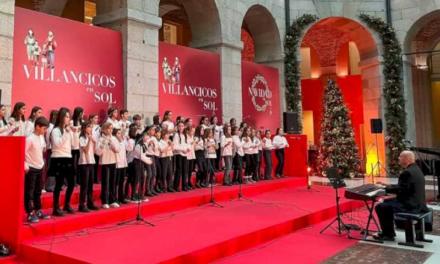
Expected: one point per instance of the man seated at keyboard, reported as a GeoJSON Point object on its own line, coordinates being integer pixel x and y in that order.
{"type": "Point", "coordinates": [410, 196]}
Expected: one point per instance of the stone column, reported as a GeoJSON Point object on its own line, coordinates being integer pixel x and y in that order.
{"type": "Point", "coordinates": [230, 70]}
{"type": "Point", "coordinates": [279, 64]}
{"type": "Point", "coordinates": [140, 53]}
{"type": "Point", "coordinates": [6, 49]}
{"type": "Point", "coordinates": [409, 101]}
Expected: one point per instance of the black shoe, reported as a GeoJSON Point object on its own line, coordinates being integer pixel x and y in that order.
{"type": "Point", "coordinates": [122, 201]}
{"type": "Point", "coordinates": [57, 212]}
{"type": "Point", "coordinates": [171, 190]}
{"type": "Point", "coordinates": [383, 237]}
{"type": "Point", "coordinates": [83, 209]}
{"type": "Point", "coordinates": [68, 209]}
{"type": "Point", "coordinates": [40, 214]}
{"type": "Point", "coordinates": [92, 207]}
{"type": "Point", "coordinates": [149, 194]}
{"type": "Point", "coordinates": [32, 218]}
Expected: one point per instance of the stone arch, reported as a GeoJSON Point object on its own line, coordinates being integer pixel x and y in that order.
{"type": "Point", "coordinates": [265, 32]}
{"type": "Point", "coordinates": [203, 18]}
{"type": "Point", "coordinates": [421, 78]}
{"type": "Point", "coordinates": [326, 37]}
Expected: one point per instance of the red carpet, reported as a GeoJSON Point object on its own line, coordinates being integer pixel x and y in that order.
{"type": "Point", "coordinates": [306, 246]}
{"type": "Point", "coordinates": [195, 235]}
{"type": "Point", "coordinates": [163, 203]}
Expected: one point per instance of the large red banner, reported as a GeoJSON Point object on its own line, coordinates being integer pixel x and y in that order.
{"type": "Point", "coordinates": [59, 62]}
{"type": "Point", "coordinates": [189, 82]}
{"type": "Point", "coordinates": [260, 95]}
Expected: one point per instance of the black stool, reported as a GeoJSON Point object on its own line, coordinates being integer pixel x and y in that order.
{"type": "Point", "coordinates": [409, 221]}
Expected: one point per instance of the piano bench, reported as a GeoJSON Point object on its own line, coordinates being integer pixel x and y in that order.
{"type": "Point", "coordinates": [414, 226]}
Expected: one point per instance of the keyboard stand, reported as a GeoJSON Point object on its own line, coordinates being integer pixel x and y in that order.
{"type": "Point", "coordinates": [366, 231]}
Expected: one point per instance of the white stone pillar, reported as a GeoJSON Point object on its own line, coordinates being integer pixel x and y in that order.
{"type": "Point", "coordinates": [230, 70]}
{"type": "Point", "coordinates": [140, 54]}
{"type": "Point", "coordinates": [7, 8]}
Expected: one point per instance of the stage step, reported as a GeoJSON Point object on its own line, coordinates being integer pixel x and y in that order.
{"type": "Point", "coordinates": [221, 232]}
{"type": "Point", "coordinates": [47, 198]}
{"type": "Point", "coordinates": [167, 202]}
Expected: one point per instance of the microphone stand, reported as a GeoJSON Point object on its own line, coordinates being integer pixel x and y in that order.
{"type": "Point", "coordinates": [211, 181]}
{"type": "Point", "coordinates": [138, 219]}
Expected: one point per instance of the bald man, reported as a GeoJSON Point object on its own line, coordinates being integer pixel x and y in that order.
{"type": "Point", "coordinates": [410, 196]}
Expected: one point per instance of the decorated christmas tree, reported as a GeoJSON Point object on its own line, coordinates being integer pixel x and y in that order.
{"type": "Point", "coordinates": [337, 147]}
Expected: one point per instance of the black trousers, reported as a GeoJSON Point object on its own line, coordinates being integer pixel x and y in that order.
{"type": "Point", "coordinates": [211, 170]}
{"type": "Point", "coordinates": [248, 163]}
{"type": "Point", "coordinates": [202, 167]}
{"type": "Point", "coordinates": [32, 190]}
{"type": "Point", "coordinates": [167, 172]}
{"type": "Point", "coordinates": [86, 176]}
{"type": "Point", "coordinates": [279, 153]}
{"type": "Point", "coordinates": [181, 174]}
{"type": "Point", "coordinates": [219, 158]}
{"type": "Point", "coordinates": [75, 158]}
{"type": "Point", "coordinates": [191, 165]}
{"type": "Point", "coordinates": [95, 168]}
{"type": "Point", "coordinates": [150, 170]}
{"type": "Point", "coordinates": [138, 183]}
{"type": "Point", "coordinates": [255, 159]}
{"type": "Point", "coordinates": [385, 212]}
{"type": "Point", "coordinates": [268, 162]}
{"type": "Point", "coordinates": [121, 182]}
{"type": "Point", "coordinates": [158, 180]}
{"type": "Point", "coordinates": [63, 168]}
{"type": "Point", "coordinates": [108, 183]}
{"type": "Point", "coordinates": [130, 179]}
{"type": "Point", "coordinates": [237, 164]}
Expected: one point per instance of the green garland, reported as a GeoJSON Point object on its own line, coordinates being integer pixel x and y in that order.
{"type": "Point", "coordinates": [395, 115]}
{"type": "Point", "coordinates": [291, 66]}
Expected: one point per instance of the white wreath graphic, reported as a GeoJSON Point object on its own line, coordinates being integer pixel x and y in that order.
{"type": "Point", "coordinates": [268, 94]}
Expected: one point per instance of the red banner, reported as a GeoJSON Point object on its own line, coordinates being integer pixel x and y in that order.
{"type": "Point", "coordinates": [189, 82]}
{"type": "Point", "coordinates": [260, 95]}
{"type": "Point", "coordinates": [59, 62]}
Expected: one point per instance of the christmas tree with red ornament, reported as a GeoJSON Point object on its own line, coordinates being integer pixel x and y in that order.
{"type": "Point", "coordinates": [337, 143]}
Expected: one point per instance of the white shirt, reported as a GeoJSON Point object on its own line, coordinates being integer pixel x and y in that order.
{"type": "Point", "coordinates": [199, 144]}
{"type": "Point", "coordinates": [87, 151]}
{"type": "Point", "coordinates": [47, 136]}
{"type": "Point", "coordinates": [115, 123]}
{"type": "Point", "coordinates": [248, 146]}
{"type": "Point", "coordinates": [238, 146]}
{"type": "Point", "coordinates": [20, 124]}
{"type": "Point", "coordinates": [267, 144]}
{"type": "Point", "coordinates": [227, 144]}
{"type": "Point", "coordinates": [96, 132]}
{"type": "Point", "coordinates": [75, 135]}
{"type": "Point", "coordinates": [165, 149]}
{"type": "Point", "coordinates": [121, 156]}
{"type": "Point", "coordinates": [4, 128]}
{"type": "Point", "coordinates": [210, 148]}
{"type": "Point", "coordinates": [35, 146]}
{"type": "Point", "coordinates": [61, 143]}
{"type": "Point", "coordinates": [168, 125]}
{"type": "Point", "coordinates": [257, 144]}
{"type": "Point", "coordinates": [124, 126]}
{"type": "Point", "coordinates": [130, 150]}
{"type": "Point", "coordinates": [218, 133]}
{"type": "Point", "coordinates": [280, 142]}
{"type": "Point", "coordinates": [191, 154]}
{"type": "Point", "coordinates": [140, 154]}
{"type": "Point", "coordinates": [29, 127]}
{"type": "Point", "coordinates": [106, 148]}
{"type": "Point", "coordinates": [180, 146]}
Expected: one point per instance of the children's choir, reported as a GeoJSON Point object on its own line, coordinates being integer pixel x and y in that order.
{"type": "Point", "coordinates": [134, 162]}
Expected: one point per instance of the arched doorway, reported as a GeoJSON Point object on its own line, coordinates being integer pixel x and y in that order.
{"type": "Point", "coordinates": [261, 55]}
{"type": "Point", "coordinates": [189, 23]}
{"type": "Point", "coordinates": [344, 50]}
{"type": "Point", "coordinates": [422, 64]}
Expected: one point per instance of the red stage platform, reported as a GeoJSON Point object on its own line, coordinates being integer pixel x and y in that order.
{"type": "Point", "coordinates": [184, 232]}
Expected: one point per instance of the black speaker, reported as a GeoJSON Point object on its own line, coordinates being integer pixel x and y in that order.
{"type": "Point", "coordinates": [290, 126]}
{"type": "Point", "coordinates": [376, 125]}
